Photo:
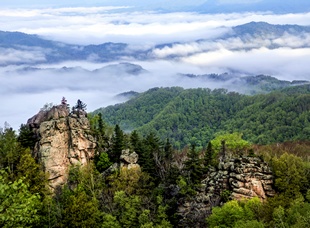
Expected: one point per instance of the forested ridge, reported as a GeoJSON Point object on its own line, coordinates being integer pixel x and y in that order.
{"type": "Point", "coordinates": [100, 195]}
{"type": "Point", "coordinates": [188, 116]}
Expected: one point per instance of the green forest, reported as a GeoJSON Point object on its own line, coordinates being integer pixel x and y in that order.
{"type": "Point", "coordinates": [194, 116]}
{"type": "Point", "coordinates": [180, 136]}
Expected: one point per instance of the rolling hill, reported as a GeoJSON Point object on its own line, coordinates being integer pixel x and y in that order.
{"type": "Point", "coordinates": [194, 116]}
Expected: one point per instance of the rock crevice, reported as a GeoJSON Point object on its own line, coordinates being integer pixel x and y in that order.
{"type": "Point", "coordinates": [63, 139]}
{"type": "Point", "coordinates": [240, 178]}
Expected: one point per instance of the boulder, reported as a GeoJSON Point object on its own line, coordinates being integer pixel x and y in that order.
{"type": "Point", "coordinates": [129, 158]}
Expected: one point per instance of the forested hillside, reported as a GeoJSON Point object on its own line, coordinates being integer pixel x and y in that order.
{"type": "Point", "coordinates": [159, 191]}
{"type": "Point", "coordinates": [194, 116]}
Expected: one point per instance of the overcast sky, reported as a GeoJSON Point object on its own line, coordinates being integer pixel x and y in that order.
{"type": "Point", "coordinates": [23, 94]}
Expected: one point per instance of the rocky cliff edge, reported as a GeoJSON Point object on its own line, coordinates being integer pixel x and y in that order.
{"type": "Point", "coordinates": [63, 139]}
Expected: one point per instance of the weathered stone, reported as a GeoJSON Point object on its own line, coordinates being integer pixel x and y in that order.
{"type": "Point", "coordinates": [63, 141]}
{"type": "Point", "coordinates": [237, 184]}
{"type": "Point", "coordinates": [133, 166]}
{"type": "Point", "coordinates": [267, 177]}
{"type": "Point", "coordinates": [271, 193]}
{"type": "Point", "coordinates": [246, 177]}
{"type": "Point", "coordinates": [130, 158]}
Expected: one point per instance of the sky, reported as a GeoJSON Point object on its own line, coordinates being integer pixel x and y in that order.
{"type": "Point", "coordinates": [22, 94]}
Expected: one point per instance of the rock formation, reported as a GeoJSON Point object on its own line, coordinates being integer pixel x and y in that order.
{"type": "Point", "coordinates": [63, 140]}
{"type": "Point", "coordinates": [129, 160]}
{"type": "Point", "coordinates": [240, 178]}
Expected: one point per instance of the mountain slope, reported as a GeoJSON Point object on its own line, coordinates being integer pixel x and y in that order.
{"type": "Point", "coordinates": [57, 51]}
{"type": "Point", "coordinates": [48, 51]}
{"type": "Point", "coordinates": [195, 115]}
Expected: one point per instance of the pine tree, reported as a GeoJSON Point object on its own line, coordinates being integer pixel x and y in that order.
{"type": "Point", "coordinates": [80, 105]}
{"type": "Point", "coordinates": [26, 137]}
{"type": "Point", "coordinates": [151, 145]}
{"type": "Point", "coordinates": [118, 144]}
{"type": "Point", "coordinates": [194, 165]}
{"type": "Point", "coordinates": [208, 155]}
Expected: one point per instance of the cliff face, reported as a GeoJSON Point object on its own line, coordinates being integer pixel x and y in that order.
{"type": "Point", "coordinates": [245, 177]}
{"type": "Point", "coordinates": [63, 140]}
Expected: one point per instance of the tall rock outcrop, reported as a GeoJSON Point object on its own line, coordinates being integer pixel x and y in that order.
{"type": "Point", "coordinates": [238, 178]}
{"type": "Point", "coordinates": [63, 139]}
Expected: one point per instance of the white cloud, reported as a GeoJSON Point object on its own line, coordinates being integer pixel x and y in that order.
{"type": "Point", "coordinates": [284, 63]}
{"type": "Point", "coordinates": [23, 94]}
{"type": "Point", "coordinates": [10, 55]}
{"type": "Point", "coordinates": [96, 25]}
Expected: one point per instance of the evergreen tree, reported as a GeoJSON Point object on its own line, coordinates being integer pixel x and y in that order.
{"type": "Point", "coordinates": [118, 144]}
{"type": "Point", "coordinates": [80, 105]}
{"type": "Point", "coordinates": [168, 150]}
{"type": "Point", "coordinates": [151, 145]}
{"type": "Point", "coordinates": [26, 137]}
{"type": "Point", "coordinates": [193, 165]}
{"type": "Point", "coordinates": [10, 149]}
{"type": "Point", "coordinates": [208, 155]}
{"type": "Point", "coordinates": [81, 211]}
{"type": "Point", "coordinates": [136, 143]}
{"type": "Point", "coordinates": [101, 125]}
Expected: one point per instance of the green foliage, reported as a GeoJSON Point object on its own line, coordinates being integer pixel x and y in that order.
{"type": "Point", "coordinates": [226, 216]}
{"type": "Point", "coordinates": [110, 221]}
{"type": "Point", "coordinates": [194, 166]}
{"type": "Point", "coordinates": [151, 146]}
{"type": "Point", "coordinates": [290, 175]}
{"type": "Point", "coordinates": [298, 215]}
{"type": "Point", "coordinates": [118, 144]}
{"type": "Point", "coordinates": [81, 210]}
{"type": "Point", "coordinates": [279, 217]}
{"type": "Point", "coordinates": [26, 137]}
{"type": "Point", "coordinates": [233, 143]}
{"type": "Point", "coordinates": [18, 206]}
{"type": "Point", "coordinates": [193, 116]}
{"type": "Point", "coordinates": [10, 149]}
{"type": "Point", "coordinates": [225, 195]}
{"type": "Point", "coordinates": [128, 209]}
{"type": "Point", "coordinates": [185, 188]}
{"type": "Point", "coordinates": [234, 213]}
{"type": "Point", "coordinates": [208, 155]}
{"type": "Point", "coordinates": [141, 109]}
{"type": "Point", "coordinates": [32, 173]}
{"type": "Point", "coordinates": [103, 162]}
{"type": "Point", "coordinates": [249, 223]}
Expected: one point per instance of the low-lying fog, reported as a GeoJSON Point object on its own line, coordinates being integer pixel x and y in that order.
{"type": "Point", "coordinates": [24, 92]}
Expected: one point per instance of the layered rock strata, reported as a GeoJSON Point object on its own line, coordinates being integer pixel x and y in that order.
{"type": "Point", "coordinates": [239, 178]}
{"type": "Point", "coordinates": [63, 139]}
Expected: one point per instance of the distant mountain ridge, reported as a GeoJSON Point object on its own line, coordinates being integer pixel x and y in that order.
{"type": "Point", "coordinates": [245, 84]}
{"type": "Point", "coordinates": [57, 51]}
{"type": "Point", "coordinates": [47, 51]}
{"type": "Point", "coordinates": [263, 28]}
{"type": "Point", "coordinates": [111, 69]}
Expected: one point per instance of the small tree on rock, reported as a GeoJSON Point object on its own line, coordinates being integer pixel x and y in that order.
{"type": "Point", "coordinates": [80, 107]}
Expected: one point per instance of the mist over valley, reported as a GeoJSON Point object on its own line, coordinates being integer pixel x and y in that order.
{"type": "Point", "coordinates": [96, 53]}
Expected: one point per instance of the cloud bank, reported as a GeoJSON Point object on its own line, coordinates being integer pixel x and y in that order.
{"type": "Point", "coordinates": [198, 47]}
{"type": "Point", "coordinates": [95, 25]}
